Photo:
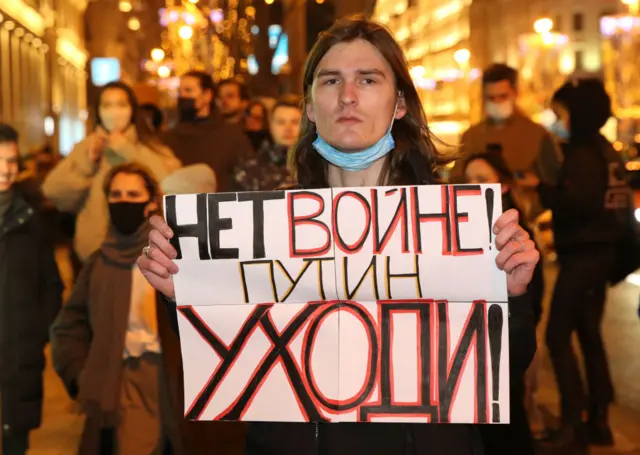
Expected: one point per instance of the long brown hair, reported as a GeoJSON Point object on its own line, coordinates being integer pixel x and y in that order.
{"type": "Point", "coordinates": [414, 158]}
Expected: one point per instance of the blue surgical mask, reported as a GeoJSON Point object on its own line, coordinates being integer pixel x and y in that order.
{"type": "Point", "coordinates": [560, 130]}
{"type": "Point", "coordinates": [357, 161]}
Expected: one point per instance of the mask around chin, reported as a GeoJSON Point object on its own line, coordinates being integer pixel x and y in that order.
{"type": "Point", "coordinates": [127, 217]}
{"type": "Point", "coordinates": [499, 111]}
{"type": "Point", "coordinates": [115, 119]}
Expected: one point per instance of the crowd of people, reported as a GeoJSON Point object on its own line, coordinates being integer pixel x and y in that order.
{"type": "Point", "coordinates": [360, 123]}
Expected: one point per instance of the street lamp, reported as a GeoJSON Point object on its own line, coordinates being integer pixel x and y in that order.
{"type": "Point", "coordinates": [125, 6]}
{"type": "Point", "coordinates": [164, 71]}
{"type": "Point", "coordinates": [157, 54]}
{"type": "Point", "coordinates": [134, 24]}
{"type": "Point", "coordinates": [185, 32]}
{"type": "Point", "coordinates": [542, 26]}
{"type": "Point", "coordinates": [462, 56]}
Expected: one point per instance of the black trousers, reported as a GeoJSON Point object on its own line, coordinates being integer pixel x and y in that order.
{"type": "Point", "coordinates": [514, 438]}
{"type": "Point", "coordinates": [15, 443]}
{"type": "Point", "coordinates": [578, 305]}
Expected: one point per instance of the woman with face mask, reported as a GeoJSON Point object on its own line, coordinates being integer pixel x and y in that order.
{"type": "Point", "coordinates": [105, 345]}
{"type": "Point", "coordinates": [364, 125]}
{"type": "Point", "coordinates": [515, 438]}
{"type": "Point", "coordinates": [589, 207]}
{"type": "Point", "coordinates": [75, 184]}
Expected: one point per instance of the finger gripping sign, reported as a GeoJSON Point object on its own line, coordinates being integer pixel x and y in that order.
{"type": "Point", "coordinates": [379, 304]}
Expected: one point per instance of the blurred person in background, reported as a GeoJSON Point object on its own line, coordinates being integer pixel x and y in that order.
{"type": "Point", "coordinates": [267, 169]}
{"type": "Point", "coordinates": [232, 99]}
{"type": "Point", "coordinates": [256, 125]}
{"type": "Point", "coordinates": [528, 149]}
{"type": "Point", "coordinates": [30, 297]}
{"type": "Point", "coordinates": [515, 438]}
{"type": "Point", "coordinates": [75, 184]}
{"type": "Point", "coordinates": [152, 116]}
{"type": "Point", "coordinates": [588, 204]}
{"type": "Point", "coordinates": [105, 344]}
{"type": "Point", "coordinates": [201, 137]}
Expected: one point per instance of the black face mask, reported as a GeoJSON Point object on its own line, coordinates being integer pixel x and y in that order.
{"type": "Point", "coordinates": [127, 217]}
{"type": "Point", "coordinates": [187, 111]}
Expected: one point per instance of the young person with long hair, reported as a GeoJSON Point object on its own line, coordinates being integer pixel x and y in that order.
{"type": "Point", "coordinates": [75, 184]}
{"type": "Point", "coordinates": [363, 126]}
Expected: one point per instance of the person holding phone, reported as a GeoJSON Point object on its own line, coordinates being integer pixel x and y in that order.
{"type": "Point", "coordinates": [75, 184]}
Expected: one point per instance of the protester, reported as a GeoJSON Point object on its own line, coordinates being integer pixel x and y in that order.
{"type": "Point", "coordinates": [267, 168]}
{"type": "Point", "coordinates": [75, 184]}
{"type": "Point", "coordinates": [232, 100]}
{"type": "Point", "coordinates": [30, 297]}
{"type": "Point", "coordinates": [201, 137]}
{"type": "Point", "coordinates": [360, 100]}
{"type": "Point", "coordinates": [105, 343]}
{"type": "Point", "coordinates": [256, 125]}
{"type": "Point", "coordinates": [528, 149]}
{"type": "Point", "coordinates": [515, 438]}
{"type": "Point", "coordinates": [588, 205]}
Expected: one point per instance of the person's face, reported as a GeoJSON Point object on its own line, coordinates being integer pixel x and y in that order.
{"type": "Point", "coordinates": [285, 125]}
{"type": "Point", "coordinates": [229, 101]}
{"type": "Point", "coordinates": [115, 110]}
{"type": "Point", "coordinates": [479, 171]}
{"type": "Point", "coordinates": [561, 113]}
{"type": "Point", "coordinates": [8, 165]}
{"type": "Point", "coordinates": [500, 92]}
{"type": "Point", "coordinates": [190, 88]}
{"type": "Point", "coordinates": [130, 188]}
{"type": "Point", "coordinates": [255, 118]}
{"type": "Point", "coordinates": [353, 96]}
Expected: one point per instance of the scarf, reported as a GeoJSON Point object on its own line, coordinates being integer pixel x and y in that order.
{"type": "Point", "coordinates": [109, 305]}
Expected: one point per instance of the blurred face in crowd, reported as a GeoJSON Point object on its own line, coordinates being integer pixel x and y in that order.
{"type": "Point", "coordinates": [230, 102]}
{"type": "Point", "coordinates": [353, 96]}
{"type": "Point", "coordinates": [129, 202]}
{"type": "Point", "coordinates": [562, 118]}
{"type": "Point", "coordinates": [193, 98]}
{"type": "Point", "coordinates": [500, 99]}
{"type": "Point", "coordinates": [479, 171]}
{"type": "Point", "coordinates": [115, 110]}
{"type": "Point", "coordinates": [255, 118]}
{"type": "Point", "coordinates": [285, 125]}
{"type": "Point", "coordinates": [8, 165]}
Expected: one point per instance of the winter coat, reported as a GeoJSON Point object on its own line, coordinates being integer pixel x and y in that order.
{"type": "Point", "coordinates": [76, 185]}
{"type": "Point", "coordinates": [30, 297]}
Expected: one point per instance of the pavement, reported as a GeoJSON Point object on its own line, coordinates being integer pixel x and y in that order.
{"type": "Point", "coordinates": [62, 424]}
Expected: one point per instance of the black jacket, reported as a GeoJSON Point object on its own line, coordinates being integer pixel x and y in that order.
{"type": "Point", "coordinates": [383, 438]}
{"type": "Point", "coordinates": [590, 186]}
{"type": "Point", "coordinates": [210, 142]}
{"type": "Point", "coordinates": [30, 298]}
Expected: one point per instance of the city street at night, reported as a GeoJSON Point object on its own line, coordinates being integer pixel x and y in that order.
{"type": "Point", "coordinates": [63, 425]}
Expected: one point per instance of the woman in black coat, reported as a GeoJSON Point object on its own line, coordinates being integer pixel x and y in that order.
{"type": "Point", "coordinates": [365, 126]}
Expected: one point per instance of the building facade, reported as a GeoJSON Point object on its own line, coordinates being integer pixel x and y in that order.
{"type": "Point", "coordinates": [42, 77]}
{"type": "Point", "coordinates": [448, 42]}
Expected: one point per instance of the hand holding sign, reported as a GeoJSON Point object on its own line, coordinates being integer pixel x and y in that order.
{"type": "Point", "coordinates": [518, 254]}
{"type": "Point", "coordinates": [156, 264]}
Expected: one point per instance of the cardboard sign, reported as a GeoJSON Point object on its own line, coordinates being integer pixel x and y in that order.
{"type": "Point", "coordinates": [375, 304]}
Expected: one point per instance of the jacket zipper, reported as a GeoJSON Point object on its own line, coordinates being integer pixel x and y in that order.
{"type": "Point", "coordinates": [317, 438]}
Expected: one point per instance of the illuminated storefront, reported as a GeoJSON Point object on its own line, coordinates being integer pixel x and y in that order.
{"type": "Point", "coordinates": [42, 71]}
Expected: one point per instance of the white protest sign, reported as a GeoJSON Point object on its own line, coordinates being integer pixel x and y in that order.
{"type": "Point", "coordinates": [375, 304]}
